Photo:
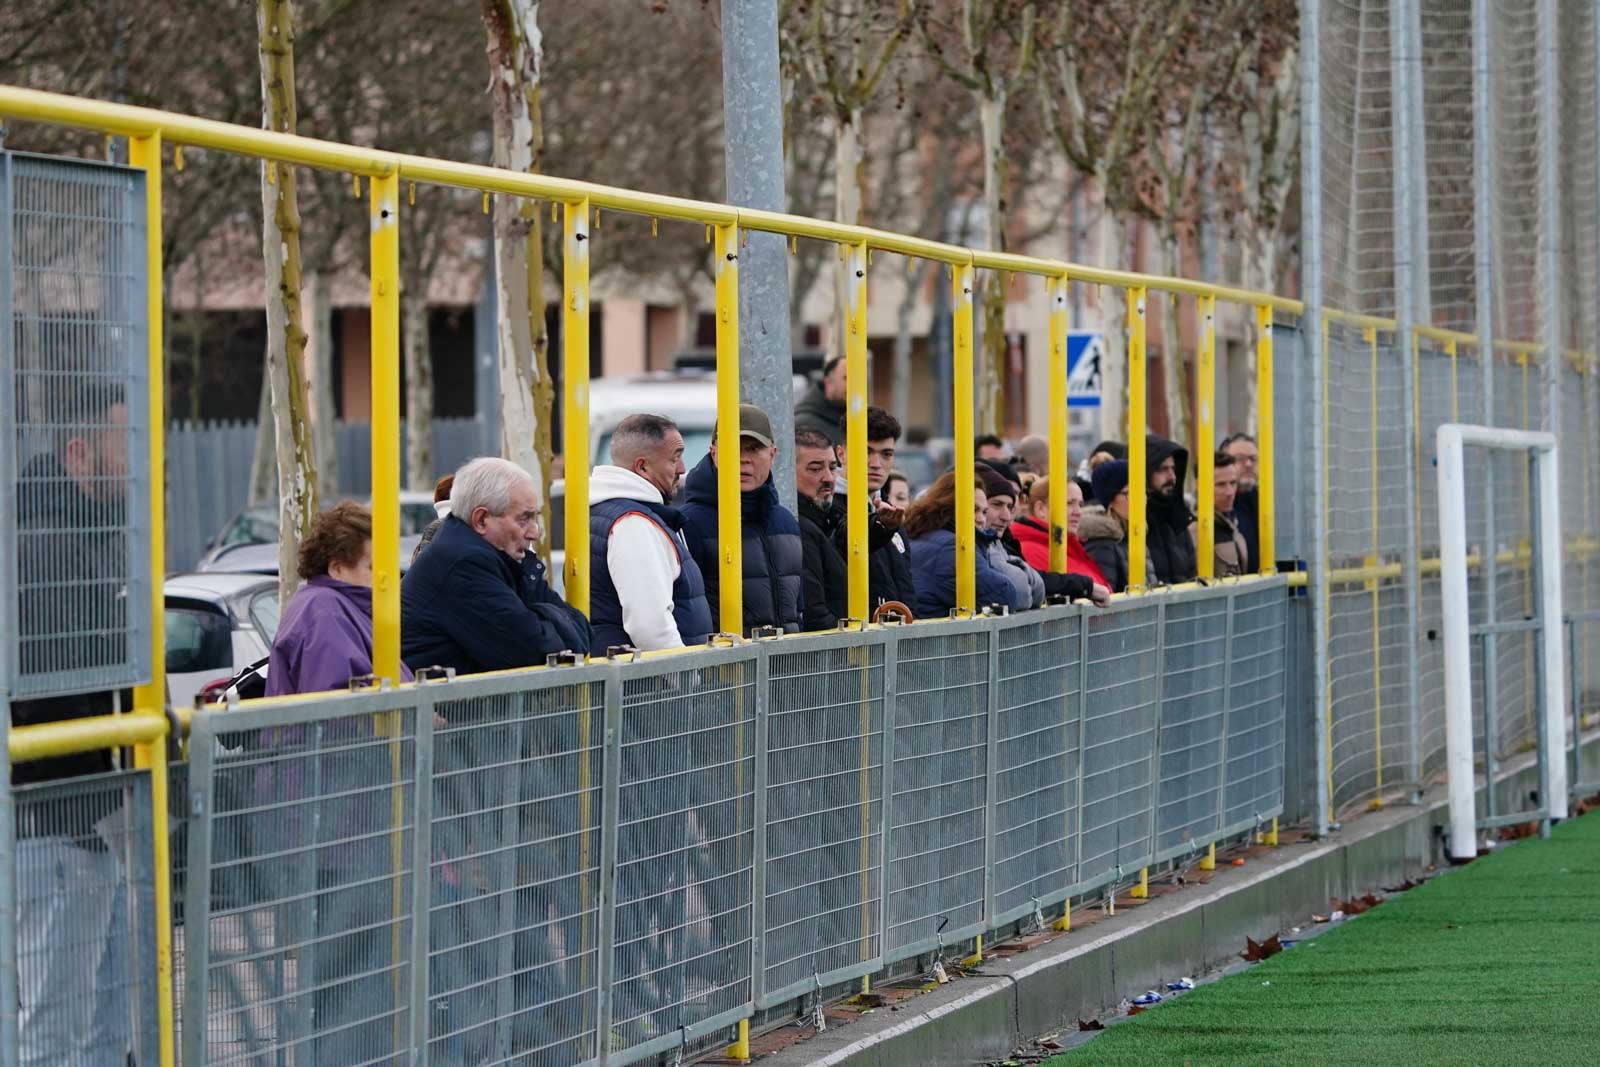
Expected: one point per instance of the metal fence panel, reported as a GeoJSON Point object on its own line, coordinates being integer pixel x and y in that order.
{"type": "Point", "coordinates": [1257, 697]}
{"type": "Point", "coordinates": [515, 875]}
{"type": "Point", "coordinates": [685, 871]}
{"type": "Point", "coordinates": [824, 863]}
{"type": "Point", "coordinates": [1122, 702]}
{"type": "Point", "coordinates": [74, 422]}
{"type": "Point", "coordinates": [1194, 711]}
{"type": "Point", "coordinates": [940, 770]}
{"type": "Point", "coordinates": [1037, 731]}
{"type": "Point", "coordinates": [86, 955]}
{"type": "Point", "coordinates": [299, 907]}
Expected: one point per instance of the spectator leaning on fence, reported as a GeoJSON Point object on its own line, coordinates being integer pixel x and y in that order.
{"type": "Point", "coordinates": [999, 507]}
{"type": "Point", "coordinates": [441, 505]}
{"type": "Point", "coordinates": [332, 814]}
{"type": "Point", "coordinates": [325, 636]}
{"type": "Point", "coordinates": [477, 600]}
{"type": "Point", "coordinates": [1230, 550]}
{"type": "Point", "coordinates": [769, 532]}
{"type": "Point", "coordinates": [72, 927]}
{"type": "Point", "coordinates": [822, 406]}
{"type": "Point", "coordinates": [888, 559]}
{"type": "Point", "coordinates": [1170, 543]}
{"type": "Point", "coordinates": [931, 525]}
{"type": "Point", "coordinates": [646, 589]}
{"type": "Point", "coordinates": [826, 580]}
{"type": "Point", "coordinates": [1247, 505]}
{"type": "Point", "coordinates": [1104, 530]}
{"type": "Point", "coordinates": [1031, 532]}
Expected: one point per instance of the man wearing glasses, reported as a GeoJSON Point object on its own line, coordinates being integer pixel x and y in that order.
{"type": "Point", "coordinates": [477, 599]}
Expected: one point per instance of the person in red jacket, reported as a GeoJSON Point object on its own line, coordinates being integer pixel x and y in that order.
{"type": "Point", "coordinates": [1032, 531]}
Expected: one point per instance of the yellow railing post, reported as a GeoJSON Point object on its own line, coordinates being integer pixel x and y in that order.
{"type": "Point", "coordinates": [1138, 479]}
{"type": "Point", "coordinates": [856, 423]}
{"type": "Point", "coordinates": [1057, 291]}
{"type": "Point", "coordinates": [730, 553]}
{"type": "Point", "coordinates": [151, 698]}
{"type": "Point", "coordinates": [1206, 436]}
{"type": "Point", "coordinates": [1266, 444]}
{"type": "Point", "coordinates": [961, 408]}
{"type": "Point", "coordinates": [385, 196]}
{"type": "Point", "coordinates": [575, 400]}
{"type": "Point", "coordinates": [1208, 862]}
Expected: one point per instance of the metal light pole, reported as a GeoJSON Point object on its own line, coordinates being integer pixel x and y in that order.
{"type": "Point", "coordinates": [753, 122]}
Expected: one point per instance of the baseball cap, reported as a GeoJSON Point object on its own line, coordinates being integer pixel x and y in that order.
{"type": "Point", "coordinates": [753, 423]}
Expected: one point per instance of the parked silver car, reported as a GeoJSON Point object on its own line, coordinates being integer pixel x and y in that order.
{"type": "Point", "coordinates": [217, 624]}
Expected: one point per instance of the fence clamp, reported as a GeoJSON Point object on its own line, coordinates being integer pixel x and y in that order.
{"type": "Point", "coordinates": [622, 651]}
{"type": "Point", "coordinates": [961, 613]}
{"type": "Point", "coordinates": [847, 624]}
{"type": "Point", "coordinates": [723, 640]}
{"type": "Point", "coordinates": [435, 673]}
{"type": "Point", "coordinates": [766, 633]}
{"type": "Point", "coordinates": [565, 658]}
{"type": "Point", "coordinates": [367, 681]}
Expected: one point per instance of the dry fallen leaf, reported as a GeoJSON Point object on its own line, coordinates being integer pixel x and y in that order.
{"type": "Point", "coordinates": [1255, 951]}
{"type": "Point", "coordinates": [1087, 1025]}
{"type": "Point", "coordinates": [1319, 918]}
{"type": "Point", "coordinates": [1134, 1009]}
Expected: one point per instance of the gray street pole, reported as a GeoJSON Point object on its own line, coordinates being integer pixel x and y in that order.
{"type": "Point", "coordinates": [752, 105]}
{"type": "Point", "coordinates": [1311, 285]}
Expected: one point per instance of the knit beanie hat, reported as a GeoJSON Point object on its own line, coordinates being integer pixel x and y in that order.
{"type": "Point", "coordinates": [1109, 479]}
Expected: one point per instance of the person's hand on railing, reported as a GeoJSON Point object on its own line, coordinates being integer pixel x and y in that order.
{"type": "Point", "coordinates": [1100, 595]}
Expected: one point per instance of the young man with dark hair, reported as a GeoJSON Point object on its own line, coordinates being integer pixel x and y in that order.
{"type": "Point", "coordinates": [989, 446]}
{"type": "Point", "coordinates": [1228, 543]}
{"type": "Point", "coordinates": [888, 555]}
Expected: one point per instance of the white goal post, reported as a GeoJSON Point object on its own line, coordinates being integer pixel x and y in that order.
{"type": "Point", "coordinates": [1453, 439]}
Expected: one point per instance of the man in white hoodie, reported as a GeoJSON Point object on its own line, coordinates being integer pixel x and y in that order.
{"type": "Point", "coordinates": [645, 588]}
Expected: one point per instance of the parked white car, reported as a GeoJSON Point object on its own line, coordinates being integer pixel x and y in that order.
{"type": "Point", "coordinates": [217, 624]}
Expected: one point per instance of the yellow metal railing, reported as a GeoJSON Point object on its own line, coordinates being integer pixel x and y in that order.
{"type": "Point", "coordinates": [149, 130]}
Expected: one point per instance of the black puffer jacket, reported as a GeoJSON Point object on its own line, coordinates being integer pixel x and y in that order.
{"type": "Point", "coordinates": [773, 556]}
{"type": "Point", "coordinates": [888, 557]}
{"type": "Point", "coordinates": [827, 581]}
{"type": "Point", "coordinates": [1172, 551]}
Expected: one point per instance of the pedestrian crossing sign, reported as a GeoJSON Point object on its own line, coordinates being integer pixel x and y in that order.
{"type": "Point", "coordinates": [1085, 350]}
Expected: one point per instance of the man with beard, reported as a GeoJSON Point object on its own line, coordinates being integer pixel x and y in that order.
{"type": "Point", "coordinates": [1172, 551]}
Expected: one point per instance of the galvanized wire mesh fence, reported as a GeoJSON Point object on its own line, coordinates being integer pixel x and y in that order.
{"type": "Point", "coordinates": [610, 861]}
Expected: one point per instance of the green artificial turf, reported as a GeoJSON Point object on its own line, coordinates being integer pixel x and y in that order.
{"type": "Point", "coordinates": [1496, 963]}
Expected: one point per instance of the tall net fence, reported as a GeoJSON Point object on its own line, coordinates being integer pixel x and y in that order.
{"type": "Point", "coordinates": [1438, 136]}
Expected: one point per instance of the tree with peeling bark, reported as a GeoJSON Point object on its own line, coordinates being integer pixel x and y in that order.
{"type": "Point", "coordinates": [516, 62]}
{"type": "Point", "coordinates": [286, 339]}
{"type": "Point", "coordinates": [846, 48]}
{"type": "Point", "coordinates": [1100, 73]}
{"type": "Point", "coordinates": [987, 46]}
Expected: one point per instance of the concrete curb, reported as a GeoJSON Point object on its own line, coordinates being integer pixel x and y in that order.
{"type": "Point", "coordinates": [1198, 928]}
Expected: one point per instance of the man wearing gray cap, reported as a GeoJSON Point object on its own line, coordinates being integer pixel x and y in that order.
{"type": "Point", "coordinates": [770, 533]}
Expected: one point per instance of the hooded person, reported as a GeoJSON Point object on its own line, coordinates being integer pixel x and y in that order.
{"type": "Point", "coordinates": [770, 534]}
{"type": "Point", "coordinates": [1171, 547]}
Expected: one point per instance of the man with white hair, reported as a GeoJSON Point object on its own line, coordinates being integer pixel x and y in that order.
{"type": "Point", "coordinates": [477, 599]}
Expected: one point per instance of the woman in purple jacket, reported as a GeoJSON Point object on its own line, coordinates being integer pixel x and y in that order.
{"type": "Point", "coordinates": [326, 796]}
{"type": "Point", "coordinates": [325, 637]}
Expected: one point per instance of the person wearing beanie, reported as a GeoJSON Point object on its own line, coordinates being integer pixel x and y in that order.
{"type": "Point", "coordinates": [1104, 532]}
{"type": "Point", "coordinates": [1001, 502]}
